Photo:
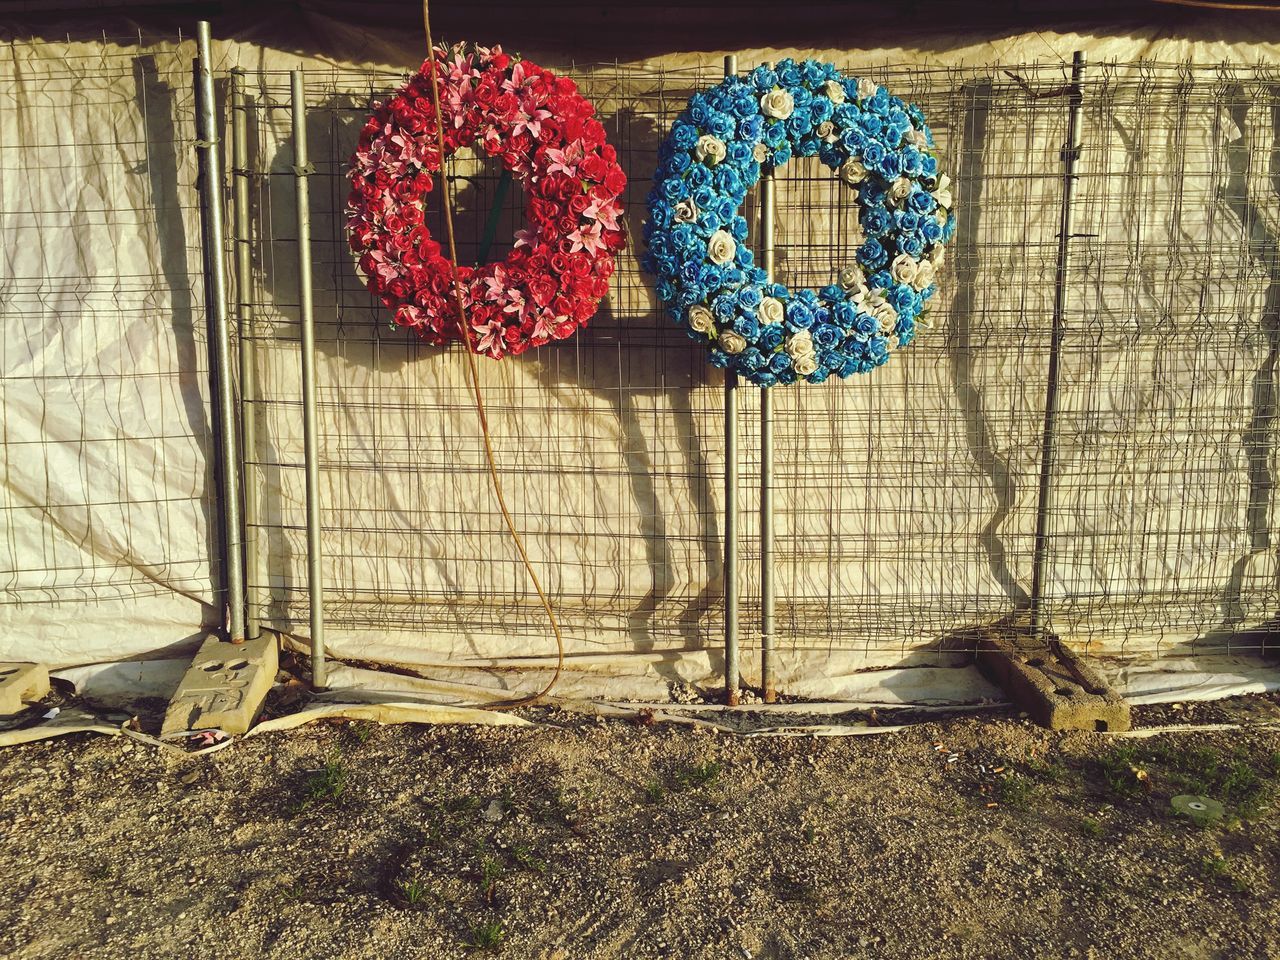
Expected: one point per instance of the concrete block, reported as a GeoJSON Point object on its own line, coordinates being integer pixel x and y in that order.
{"type": "Point", "coordinates": [224, 687]}
{"type": "Point", "coordinates": [1054, 686]}
{"type": "Point", "coordinates": [22, 683]}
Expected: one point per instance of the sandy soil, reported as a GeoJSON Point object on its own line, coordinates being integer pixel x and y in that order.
{"type": "Point", "coordinates": [977, 837]}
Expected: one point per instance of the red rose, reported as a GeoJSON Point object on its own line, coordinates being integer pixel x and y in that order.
{"type": "Point", "coordinates": [615, 181]}
{"type": "Point", "coordinates": [593, 167]}
{"type": "Point", "coordinates": [559, 262]}
{"type": "Point", "coordinates": [542, 290]}
{"type": "Point", "coordinates": [604, 267]}
{"type": "Point", "coordinates": [578, 203]}
{"type": "Point", "coordinates": [583, 310]}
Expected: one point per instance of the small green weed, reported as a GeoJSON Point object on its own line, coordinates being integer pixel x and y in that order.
{"type": "Point", "coordinates": [1217, 869]}
{"type": "Point", "coordinates": [1015, 791]}
{"type": "Point", "coordinates": [810, 833]}
{"type": "Point", "coordinates": [491, 871]}
{"type": "Point", "coordinates": [1091, 827]}
{"type": "Point", "coordinates": [524, 856]}
{"type": "Point", "coordinates": [414, 891]}
{"type": "Point", "coordinates": [488, 936]}
{"type": "Point", "coordinates": [697, 775]}
{"type": "Point", "coordinates": [327, 784]}
{"type": "Point", "coordinates": [654, 791]}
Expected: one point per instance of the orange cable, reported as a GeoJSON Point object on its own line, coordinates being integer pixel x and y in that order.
{"type": "Point", "coordinates": [474, 375]}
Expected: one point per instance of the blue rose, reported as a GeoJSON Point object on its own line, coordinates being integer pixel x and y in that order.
{"type": "Point", "coordinates": [865, 325]}
{"type": "Point", "coordinates": [799, 315]}
{"type": "Point", "coordinates": [770, 337]}
{"type": "Point", "coordinates": [881, 278]}
{"type": "Point", "coordinates": [788, 74]}
{"type": "Point", "coordinates": [911, 245]}
{"type": "Point", "coordinates": [780, 363]}
{"type": "Point", "coordinates": [929, 167]}
{"type": "Point", "coordinates": [751, 129]}
{"type": "Point", "coordinates": [749, 297]}
{"type": "Point", "coordinates": [931, 230]}
{"type": "Point", "coordinates": [750, 358]}
{"type": "Point", "coordinates": [684, 136]}
{"type": "Point", "coordinates": [827, 335]}
{"type": "Point", "coordinates": [813, 72]}
{"type": "Point", "coordinates": [698, 176]}
{"type": "Point", "coordinates": [832, 293]}
{"type": "Point", "coordinates": [875, 220]}
{"type": "Point", "coordinates": [725, 307]}
{"type": "Point", "coordinates": [872, 153]}
{"type": "Point", "coordinates": [921, 201]}
{"type": "Point", "coordinates": [719, 358]}
{"type": "Point", "coordinates": [764, 79]}
{"type": "Point", "coordinates": [781, 154]}
{"type": "Point", "coordinates": [764, 378]}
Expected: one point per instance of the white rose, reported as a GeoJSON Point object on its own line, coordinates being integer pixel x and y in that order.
{"type": "Point", "coordinates": [886, 315]}
{"type": "Point", "coordinates": [851, 277]}
{"type": "Point", "coordinates": [721, 248]}
{"type": "Point", "coordinates": [853, 171]}
{"type": "Point", "coordinates": [701, 319]}
{"type": "Point", "coordinates": [900, 189]}
{"type": "Point", "coordinates": [732, 342]}
{"type": "Point", "coordinates": [771, 311]}
{"type": "Point", "coordinates": [937, 255]}
{"type": "Point", "coordinates": [942, 193]}
{"type": "Point", "coordinates": [805, 365]}
{"type": "Point", "coordinates": [903, 268]}
{"type": "Point", "coordinates": [709, 150]}
{"type": "Point", "coordinates": [825, 130]}
{"type": "Point", "coordinates": [800, 344]}
{"type": "Point", "coordinates": [925, 273]}
{"type": "Point", "coordinates": [778, 104]}
{"type": "Point", "coordinates": [759, 153]}
{"type": "Point", "coordinates": [686, 211]}
{"type": "Point", "coordinates": [866, 88]}
{"type": "Point", "coordinates": [918, 139]}
{"type": "Point", "coordinates": [834, 90]}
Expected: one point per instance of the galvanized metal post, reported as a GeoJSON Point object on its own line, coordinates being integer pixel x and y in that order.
{"type": "Point", "coordinates": [310, 432]}
{"type": "Point", "coordinates": [1070, 154]}
{"type": "Point", "coordinates": [242, 237]}
{"type": "Point", "coordinates": [219, 337]}
{"type": "Point", "coordinates": [766, 464]}
{"type": "Point", "coordinates": [731, 669]}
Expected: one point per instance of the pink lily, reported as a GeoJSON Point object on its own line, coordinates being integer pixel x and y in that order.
{"type": "Point", "coordinates": [525, 237]}
{"type": "Point", "coordinates": [587, 237]}
{"type": "Point", "coordinates": [490, 341]}
{"type": "Point", "coordinates": [605, 212]}
{"type": "Point", "coordinates": [565, 160]}
{"type": "Point", "coordinates": [530, 120]}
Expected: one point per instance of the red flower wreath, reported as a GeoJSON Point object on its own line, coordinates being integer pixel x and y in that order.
{"type": "Point", "coordinates": [545, 133]}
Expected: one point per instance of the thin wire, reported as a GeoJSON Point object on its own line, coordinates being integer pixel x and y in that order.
{"type": "Point", "coordinates": [474, 374]}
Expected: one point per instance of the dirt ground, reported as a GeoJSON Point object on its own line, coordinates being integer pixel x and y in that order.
{"type": "Point", "coordinates": [974, 837]}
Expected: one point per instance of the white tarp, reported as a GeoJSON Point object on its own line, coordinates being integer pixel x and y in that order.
{"type": "Point", "coordinates": [905, 501]}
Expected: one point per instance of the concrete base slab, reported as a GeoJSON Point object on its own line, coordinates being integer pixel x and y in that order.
{"type": "Point", "coordinates": [20, 684]}
{"type": "Point", "coordinates": [1054, 686]}
{"type": "Point", "coordinates": [224, 687]}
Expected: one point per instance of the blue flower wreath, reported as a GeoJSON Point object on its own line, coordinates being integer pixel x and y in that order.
{"type": "Point", "coordinates": [879, 145]}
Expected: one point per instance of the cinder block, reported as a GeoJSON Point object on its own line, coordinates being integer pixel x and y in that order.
{"type": "Point", "coordinates": [1055, 687]}
{"type": "Point", "coordinates": [224, 687]}
{"type": "Point", "coordinates": [22, 683]}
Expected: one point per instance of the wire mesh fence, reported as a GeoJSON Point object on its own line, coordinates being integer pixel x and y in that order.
{"type": "Point", "coordinates": [103, 357]}
{"type": "Point", "coordinates": [905, 504]}
{"type": "Point", "coordinates": [906, 499]}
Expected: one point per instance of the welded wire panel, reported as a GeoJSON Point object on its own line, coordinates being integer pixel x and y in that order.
{"type": "Point", "coordinates": [102, 355]}
{"type": "Point", "coordinates": [906, 498]}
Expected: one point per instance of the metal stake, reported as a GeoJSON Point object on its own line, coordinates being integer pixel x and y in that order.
{"type": "Point", "coordinates": [241, 235]}
{"type": "Point", "coordinates": [766, 463]}
{"type": "Point", "coordinates": [311, 443]}
{"type": "Point", "coordinates": [1070, 153]}
{"type": "Point", "coordinates": [219, 338]}
{"type": "Point", "coordinates": [731, 671]}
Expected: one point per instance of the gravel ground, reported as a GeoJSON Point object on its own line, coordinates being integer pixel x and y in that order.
{"type": "Point", "coordinates": [975, 837]}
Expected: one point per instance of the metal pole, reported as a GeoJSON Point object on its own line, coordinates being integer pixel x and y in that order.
{"type": "Point", "coordinates": [241, 235]}
{"type": "Point", "coordinates": [1070, 154]}
{"type": "Point", "coordinates": [311, 443]}
{"type": "Point", "coordinates": [766, 463]}
{"type": "Point", "coordinates": [731, 671]}
{"type": "Point", "coordinates": [220, 338]}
